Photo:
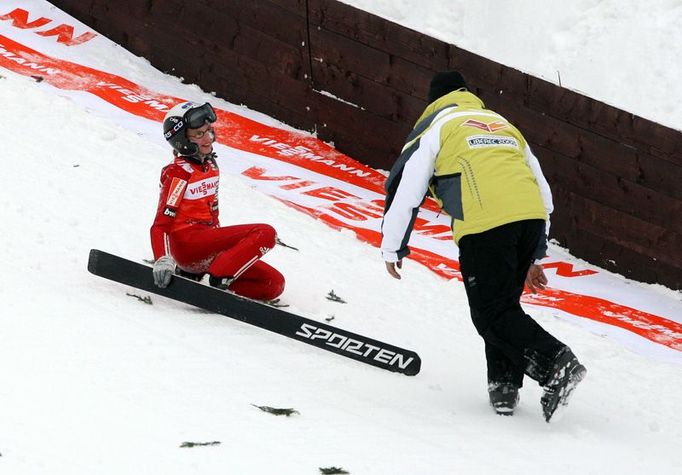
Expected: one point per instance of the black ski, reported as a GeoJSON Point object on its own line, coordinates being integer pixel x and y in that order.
{"type": "Point", "coordinates": [321, 335]}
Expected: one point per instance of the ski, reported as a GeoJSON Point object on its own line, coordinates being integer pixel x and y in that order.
{"type": "Point", "coordinates": [326, 337]}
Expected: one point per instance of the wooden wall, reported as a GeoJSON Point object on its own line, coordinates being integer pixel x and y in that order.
{"type": "Point", "coordinates": [361, 82]}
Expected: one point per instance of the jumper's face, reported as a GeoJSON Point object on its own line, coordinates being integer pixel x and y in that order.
{"type": "Point", "coordinates": [203, 137]}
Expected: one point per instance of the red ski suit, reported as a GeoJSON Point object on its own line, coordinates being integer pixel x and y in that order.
{"type": "Point", "coordinates": [186, 227]}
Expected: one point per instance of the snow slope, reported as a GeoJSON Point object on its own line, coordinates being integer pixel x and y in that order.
{"type": "Point", "coordinates": [95, 381]}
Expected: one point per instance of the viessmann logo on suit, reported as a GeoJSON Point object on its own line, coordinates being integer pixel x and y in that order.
{"type": "Point", "coordinates": [356, 347]}
{"type": "Point", "coordinates": [201, 189]}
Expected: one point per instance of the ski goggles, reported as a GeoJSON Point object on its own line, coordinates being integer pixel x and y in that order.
{"type": "Point", "coordinates": [198, 116]}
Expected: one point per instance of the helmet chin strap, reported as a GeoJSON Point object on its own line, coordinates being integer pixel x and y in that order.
{"type": "Point", "coordinates": [198, 156]}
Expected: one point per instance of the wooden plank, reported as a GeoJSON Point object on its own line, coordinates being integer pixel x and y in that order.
{"type": "Point", "coordinates": [647, 239]}
{"type": "Point", "coordinates": [160, 47]}
{"type": "Point", "coordinates": [225, 32]}
{"type": "Point", "coordinates": [366, 94]}
{"type": "Point", "coordinates": [368, 138]}
{"type": "Point", "coordinates": [613, 257]}
{"type": "Point", "coordinates": [663, 175]}
{"type": "Point", "coordinates": [390, 87]}
{"type": "Point", "coordinates": [281, 57]}
{"type": "Point", "coordinates": [613, 123]}
{"type": "Point", "coordinates": [250, 81]}
{"type": "Point", "coordinates": [363, 27]}
{"type": "Point", "coordinates": [611, 190]}
{"type": "Point", "coordinates": [349, 55]}
{"type": "Point", "coordinates": [298, 7]}
{"type": "Point", "coordinates": [286, 24]}
{"type": "Point", "coordinates": [200, 24]}
{"type": "Point", "coordinates": [104, 11]}
{"type": "Point", "coordinates": [215, 27]}
{"type": "Point", "coordinates": [665, 142]}
{"type": "Point", "coordinates": [411, 79]}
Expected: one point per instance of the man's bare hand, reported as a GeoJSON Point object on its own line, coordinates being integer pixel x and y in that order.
{"type": "Point", "coordinates": [390, 268]}
{"type": "Point", "coordinates": [536, 278]}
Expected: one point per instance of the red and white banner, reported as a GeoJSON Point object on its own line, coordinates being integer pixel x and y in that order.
{"type": "Point", "coordinates": [42, 42]}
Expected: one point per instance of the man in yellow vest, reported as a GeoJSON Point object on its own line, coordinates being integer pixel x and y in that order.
{"type": "Point", "coordinates": [482, 172]}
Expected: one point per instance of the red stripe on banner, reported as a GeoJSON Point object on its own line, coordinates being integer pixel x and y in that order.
{"type": "Point", "coordinates": [66, 75]}
{"type": "Point", "coordinates": [657, 329]}
{"type": "Point", "coordinates": [307, 152]}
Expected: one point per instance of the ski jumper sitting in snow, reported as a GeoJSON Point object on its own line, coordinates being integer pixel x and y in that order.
{"type": "Point", "coordinates": [186, 236]}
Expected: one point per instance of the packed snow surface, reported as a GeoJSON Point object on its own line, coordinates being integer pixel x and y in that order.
{"type": "Point", "coordinates": [93, 380]}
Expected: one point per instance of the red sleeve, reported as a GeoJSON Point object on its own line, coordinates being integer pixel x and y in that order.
{"type": "Point", "coordinates": [172, 189]}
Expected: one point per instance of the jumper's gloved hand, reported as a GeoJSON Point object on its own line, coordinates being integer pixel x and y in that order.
{"type": "Point", "coordinates": [163, 270]}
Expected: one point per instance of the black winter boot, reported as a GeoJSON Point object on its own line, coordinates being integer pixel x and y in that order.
{"type": "Point", "coordinates": [566, 374]}
{"type": "Point", "coordinates": [503, 397]}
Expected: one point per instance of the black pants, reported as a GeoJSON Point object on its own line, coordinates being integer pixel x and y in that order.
{"type": "Point", "coordinates": [494, 265]}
